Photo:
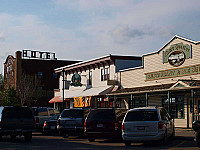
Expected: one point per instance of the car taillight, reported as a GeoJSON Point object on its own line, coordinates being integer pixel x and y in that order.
{"type": "Point", "coordinates": [160, 125]}
{"type": "Point", "coordinates": [84, 124]}
{"type": "Point", "coordinates": [116, 125]}
{"type": "Point", "coordinates": [45, 124]}
{"type": "Point", "coordinates": [123, 127]}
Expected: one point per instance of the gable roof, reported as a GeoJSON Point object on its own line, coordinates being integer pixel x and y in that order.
{"type": "Point", "coordinates": [175, 37]}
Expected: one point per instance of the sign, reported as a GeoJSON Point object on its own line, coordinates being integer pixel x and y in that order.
{"type": "Point", "coordinates": [177, 54]}
{"type": "Point", "coordinates": [76, 80]}
{"type": "Point", "coordinates": [38, 55]}
{"type": "Point", "coordinates": [82, 101]}
{"type": "Point", "coordinates": [185, 71]}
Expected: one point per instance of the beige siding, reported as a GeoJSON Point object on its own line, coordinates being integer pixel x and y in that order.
{"type": "Point", "coordinates": [153, 63]}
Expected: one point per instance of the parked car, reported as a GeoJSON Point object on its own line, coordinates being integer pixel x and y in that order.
{"type": "Point", "coordinates": [196, 128]}
{"type": "Point", "coordinates": [147, 124]}
{"type": "Point", "coordinates": [16, 121]}
{"type": "Point", "coordinates": [50, 126]}
{"type": "Point", "coordinates": [104, 123]}
{"type": "Point", "coordinates": [42, 114]}
{"type": "Point", "coordinates": [71, 122]}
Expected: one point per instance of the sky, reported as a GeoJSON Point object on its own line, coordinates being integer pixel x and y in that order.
{"type": "Point", "coordinates": [87, 29]}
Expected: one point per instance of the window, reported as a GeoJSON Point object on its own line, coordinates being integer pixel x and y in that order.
{"type": "Point", "coordinates": [176, 106]}
{"type": "Point", "coordinates": [90, 78]}
{"type": "Point", "coordinates": [105, 74]}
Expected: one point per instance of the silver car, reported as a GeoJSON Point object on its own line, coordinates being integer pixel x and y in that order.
{"type": "Point", "coordinates": [147, 124]}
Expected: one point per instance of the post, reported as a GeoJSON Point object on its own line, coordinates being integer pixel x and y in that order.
{"type": "Point", "coordinates": [168, 96]}
{"type": "Point", "coordinates": [147, 100]}
{"type": "Point", "coordinates": [63, 73]}
{"type": "Point", "coordinates": [131, 102]}
{"type": "Point", "coordinates": [192, 96]}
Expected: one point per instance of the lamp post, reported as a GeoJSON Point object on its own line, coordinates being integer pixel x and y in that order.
{"type": "Point", "coordinates": [63, 103]}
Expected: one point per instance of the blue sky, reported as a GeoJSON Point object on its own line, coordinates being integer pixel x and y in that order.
{"type": "Point", "coordinates": [86, 29]}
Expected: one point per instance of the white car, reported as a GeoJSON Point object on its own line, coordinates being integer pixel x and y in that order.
{"type": "Point", "coordinates": [147, 124]}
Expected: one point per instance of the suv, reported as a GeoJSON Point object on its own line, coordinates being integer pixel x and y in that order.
{"type": "Point", "coordinates": [71, 122]}
{"type": "Point", "coordinates": [16, 121]}
{"type": "Point", "coordinates": [42, 114]}
{"type": "Point", "coordinates": [104, 123]}
{"type": "Point", "coordinates": [147, 124]}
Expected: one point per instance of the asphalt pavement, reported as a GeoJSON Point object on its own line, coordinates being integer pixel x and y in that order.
{"type": "Point", "coordinates": [184, 133]}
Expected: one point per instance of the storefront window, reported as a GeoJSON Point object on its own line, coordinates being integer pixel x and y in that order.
{"type": "Point", "coordinates": [176, 106]}
{"type": "Point", "coordinates": [139, 102]}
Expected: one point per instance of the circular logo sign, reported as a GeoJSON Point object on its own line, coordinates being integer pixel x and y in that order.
{"type": "Point", "coordinates": [176, 58]}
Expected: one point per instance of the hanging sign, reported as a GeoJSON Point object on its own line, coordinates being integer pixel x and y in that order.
{"type": "Point", "coordinates": [76, 80]}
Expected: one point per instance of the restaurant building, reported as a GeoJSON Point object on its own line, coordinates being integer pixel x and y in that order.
{"type": "Point", "coordinates": [169, 77]}
{"type": "Point", "coordinates": [86, 83]}
{"type": "Point", "coordinates": [39, 64]}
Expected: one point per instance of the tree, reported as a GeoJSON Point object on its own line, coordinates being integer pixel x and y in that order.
{"type": "Point", "coordinates": [27, 89]}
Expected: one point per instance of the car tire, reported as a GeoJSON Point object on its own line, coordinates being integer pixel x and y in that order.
{"type": "Point", "coordinates": [64, 135]}
{"type": "Point", "coordinates": [91, 139]}
{"type": "Point", "coordinates": [164, 139]}
{"type": "Point", "coordinates": [28, 137]}
{"type": "Point", "coordinates": [127, 143]}
{"type": "Point", "coordinates": [13, 137]}
{"type": "Point", "coordinates": [197, 138]}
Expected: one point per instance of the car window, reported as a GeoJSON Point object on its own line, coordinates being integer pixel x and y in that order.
{"type": "Point", "coordinates": [142, 116]}
{"type": "Point", "coordinates": [72, 113]}
{"type": "Point", "coordinates": [101, 115]}
{"type": "Point", "coordinates": [42, 112]}
{"type": "Point", "coordinates": [17, 113]}
{"type": "Point", "coordinates": [51, 112]}
{"type": "Point", "coordinates": [55, 117]}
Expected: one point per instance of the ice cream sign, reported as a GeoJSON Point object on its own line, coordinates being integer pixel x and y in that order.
{"type": "Point", "coordinates": [177, 54]}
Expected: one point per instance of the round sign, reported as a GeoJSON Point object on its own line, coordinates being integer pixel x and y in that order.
{"type": "Point", "coordinates": [176, 58]}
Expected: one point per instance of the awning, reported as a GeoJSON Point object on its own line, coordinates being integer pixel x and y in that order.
{"type": "Point", "coordinates": [95, 91]}
{"type": "Point", "coordinates": [73, 93]}
{"type": "Point", "coordinates": [56, 99]}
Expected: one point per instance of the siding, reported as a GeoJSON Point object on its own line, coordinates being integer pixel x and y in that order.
{"type": "Point", "coordinates": [154, 62]}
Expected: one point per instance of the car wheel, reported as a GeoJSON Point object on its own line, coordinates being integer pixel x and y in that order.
{"type": "Point", "coordinates": [13, 137]}
{"type": "Point", "coordinates": [197, 139]}
{"type": "Point", "coordinates": [64, 135]}
{"type": "Point", "coordinates": [91, 139]}
{"type": "Point", "coordinates": [28, 137]}
{"type": "Point", "coordinates": [164, 139]}
{"type": "Point", "coordinates": [127, 143]}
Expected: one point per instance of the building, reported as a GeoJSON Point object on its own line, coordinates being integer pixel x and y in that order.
{"type": "Point", "coordinates": [38, 64]}
{"type": "Point", "coordinates": [86, 83]}
{"type": "Point", "coordinates": [169, 77]}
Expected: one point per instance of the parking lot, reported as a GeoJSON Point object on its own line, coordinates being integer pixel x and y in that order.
{"type": "Point", "coordinates": [183, 140]}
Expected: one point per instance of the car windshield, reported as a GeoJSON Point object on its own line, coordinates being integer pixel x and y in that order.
{"type": "Point", "coordinates": [72, 113]}
{"type": "Point", "coordinates": [101, 115]}
{"type": "Point", "coordinates": [142, 115]}
{"type": "Point", "coordinates": [17, 112]}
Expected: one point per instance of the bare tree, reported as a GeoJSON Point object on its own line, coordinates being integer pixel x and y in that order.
{"type": "Point", "coordinates": [27, 89]}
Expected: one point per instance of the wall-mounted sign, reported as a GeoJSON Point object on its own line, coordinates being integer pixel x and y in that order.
{"type": "Point", "coordinates": [82, 101]}
{"type": "Point", "coordinates": [38, 55]}
{"type": "Point", "coordinates": [76, 80]}
{"type": "Point", "coordinates": [177, 54]}
{"type": "Point", "coordinates": [190, 70]}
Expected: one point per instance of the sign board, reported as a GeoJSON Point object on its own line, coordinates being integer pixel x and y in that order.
{"type": "Point", "coordinates": [189, 70]}
{"type": "Point", "coordinates": [76, 80]}
{"type": "Point", "coordinates": [38, 55]}
{"type": "Point", "coordinates": [82, 101]}
{"type": "Point", "coordinates": [177, 54]}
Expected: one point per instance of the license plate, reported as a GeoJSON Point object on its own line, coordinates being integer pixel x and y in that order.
{"type": "Point", "coordinates": [140, 128]}
{"type": "Point", "coordinates": [99, 125]}
{"type": "Point", "coordinates": [52, 127]}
